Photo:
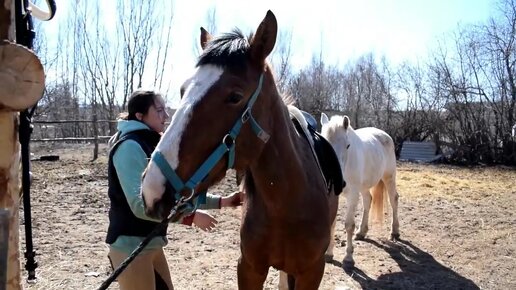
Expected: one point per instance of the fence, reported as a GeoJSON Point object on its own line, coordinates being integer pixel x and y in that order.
{"type": "Point", "coordinates": [73, 130]}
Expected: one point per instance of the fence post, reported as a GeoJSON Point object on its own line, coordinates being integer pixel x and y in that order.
{"type": "Point", "coordinates": [9, 166]}
{"type": "Point", "coordinates": [10, 193]}
{"type": "Point", "coordinates": [95, 136]}
{"type": "Point", "coordinates": [4, 246]}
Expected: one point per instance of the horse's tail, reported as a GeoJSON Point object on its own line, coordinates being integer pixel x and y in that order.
{"type": "Point", "coordinates": [377, 193]}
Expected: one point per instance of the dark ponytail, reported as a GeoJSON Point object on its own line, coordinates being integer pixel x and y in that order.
{"type": "Point", "coordinates": [139, 102]}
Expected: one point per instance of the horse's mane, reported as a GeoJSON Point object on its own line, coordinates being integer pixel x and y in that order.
{"type": "Point", "coordinates": [230, 50]}
{"type": "Point", "coordinates": [288, 99]}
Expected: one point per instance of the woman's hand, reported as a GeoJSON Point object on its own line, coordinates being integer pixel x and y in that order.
{"type": "Point", "coordinates": [232, 200]}
{"type": "Point", "coordinates": [204, 220]}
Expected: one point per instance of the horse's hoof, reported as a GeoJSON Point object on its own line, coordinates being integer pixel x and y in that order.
{"type": "Point", "coordinates": [359, 237]}
{"type": "Point", "coordinates": [328, 258]}
{"type": "Point", "coordinates": [348, 265]}
{"type": "Point", "coordinates": [395, 236]}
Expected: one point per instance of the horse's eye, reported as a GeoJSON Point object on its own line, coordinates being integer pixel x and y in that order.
{"type": "Point", "coordinates": [234, 98]}
{"type": "Point", "coordinates": [347, 147]}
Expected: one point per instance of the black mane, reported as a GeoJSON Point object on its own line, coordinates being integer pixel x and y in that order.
{"type": "Point", "coordinates": [229, 50]}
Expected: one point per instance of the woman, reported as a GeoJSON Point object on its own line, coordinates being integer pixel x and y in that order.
{"type": "Point", "coordinates": [139, 132]}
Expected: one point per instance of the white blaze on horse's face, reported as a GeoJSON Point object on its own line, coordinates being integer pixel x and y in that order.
{"type": "Point", "coordinates": [153, 184]}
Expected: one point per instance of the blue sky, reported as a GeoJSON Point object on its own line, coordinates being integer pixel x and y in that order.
{"type": "Point", "coordinates": [341, 29]}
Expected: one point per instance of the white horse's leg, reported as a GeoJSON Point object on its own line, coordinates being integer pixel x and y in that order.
{"type": "Point", "coordinates": [393, 200]}
{"type": "Point", "coordinates": [364, 224]}
{"type": "Point", "coordinates": [283, 281]}
{"type": "Point", "coordinates": [329, 251]}
{"type": "Point", "coordinates": [349, 224]}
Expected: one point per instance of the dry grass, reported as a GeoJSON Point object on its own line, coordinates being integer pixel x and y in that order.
{"type": "Point", "coordinates": [452, 182]}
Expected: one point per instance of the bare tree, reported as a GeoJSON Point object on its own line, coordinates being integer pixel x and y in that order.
{"type": "Point", "coordinates": [477, 81]}
{"type": "Point", "coordinates": [281, 59]}
{"type": "Point", "coordinates": [210, 24]}
{"type": "Point", "coordinates": [315, 87]}
{"type": "Point", "coordinates": [144, 29]}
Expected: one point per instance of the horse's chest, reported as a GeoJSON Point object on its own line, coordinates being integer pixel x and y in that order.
{"type": "Point", "coordinates": [286, 244]}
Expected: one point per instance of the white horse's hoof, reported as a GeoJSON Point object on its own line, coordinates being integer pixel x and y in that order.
{"type": "Point", "coordinates": [348, 265]}
{"type": "Point", "coordinates": [360, 237]}
{"type": "Point", "coordinates": [395, 236]}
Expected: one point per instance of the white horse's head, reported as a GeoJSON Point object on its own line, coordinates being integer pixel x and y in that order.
{"type": "Point", "coordinates": [336, 131]}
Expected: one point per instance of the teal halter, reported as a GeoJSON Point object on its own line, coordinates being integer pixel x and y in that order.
{"type": "Point", "coordinates": [227, 146]}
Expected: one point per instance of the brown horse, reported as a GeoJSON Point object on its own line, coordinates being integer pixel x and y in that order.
{"type": "Point", "coordinates": [232, 116]}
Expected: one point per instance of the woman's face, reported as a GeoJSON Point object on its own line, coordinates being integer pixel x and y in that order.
{"type": "Point", "coordinates": [156, 116]}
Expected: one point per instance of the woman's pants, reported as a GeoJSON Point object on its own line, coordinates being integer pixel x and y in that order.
{"type": "Point", "coordinates": [148, 271]}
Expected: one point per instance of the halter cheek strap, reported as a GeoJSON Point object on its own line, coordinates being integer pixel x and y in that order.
{"type": "Point", "coordinates": [227, 146]}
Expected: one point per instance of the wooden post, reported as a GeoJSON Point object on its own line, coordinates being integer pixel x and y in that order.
{"type": "Point", "coordinates": [9, 164]}
{"type": "Point", "coordinates": [10, 193]}
{"type": "Point", "coordinates": [4, 245]}
{"type": "Point", "coordinates": [22, 81]}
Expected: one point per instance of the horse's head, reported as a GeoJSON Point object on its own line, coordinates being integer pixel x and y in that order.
{"type": "Point", "coordinates": [222, 120]}
{"type": "Point", "coordinates": [336, 131]}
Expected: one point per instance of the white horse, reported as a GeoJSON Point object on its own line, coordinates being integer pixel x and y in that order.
{"type": "Point", "coordinates": [368, 164]}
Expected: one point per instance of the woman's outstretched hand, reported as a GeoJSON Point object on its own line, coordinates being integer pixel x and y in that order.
{"type": "Point", "coordinates": [204, 220]}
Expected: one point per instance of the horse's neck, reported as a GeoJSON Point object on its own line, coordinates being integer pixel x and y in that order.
{"type": "Point", "coordinates": [278, 160]}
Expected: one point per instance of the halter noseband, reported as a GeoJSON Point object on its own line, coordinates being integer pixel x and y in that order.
{"type": "Point", "coordinates": [227, 146]}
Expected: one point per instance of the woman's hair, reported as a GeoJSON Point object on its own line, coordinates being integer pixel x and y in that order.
{"type": "Point", "coordinates": [139, 102]}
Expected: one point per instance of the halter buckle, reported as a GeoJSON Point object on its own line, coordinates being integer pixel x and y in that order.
{"type": "Point", "coordinates": [246, 114]}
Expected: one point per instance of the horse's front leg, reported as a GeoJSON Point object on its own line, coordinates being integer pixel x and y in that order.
{"type": "Point", "coordinates": [329, 252]}
{"type": "Point", "coordinates": [333, 203]}
{"type": "Point", "coordinates": [364, 224]}
{"type": "Point", "coordinates": [311, 278]}
{"type": "Point", "coordinates": [248, 277]}
{"type": "Point", "coordinates": [349, 224]}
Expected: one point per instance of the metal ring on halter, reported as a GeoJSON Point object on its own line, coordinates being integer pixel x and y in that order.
{"type": "Point", "coordinates": [192, 192]}
{"type": "Point", "coordinates": [230, 139]}
{"type": "Point", "coordinates": [246, 114]}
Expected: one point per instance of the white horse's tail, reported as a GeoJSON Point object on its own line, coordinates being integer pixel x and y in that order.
{"type": "Point", "coordinates": [377, 192]}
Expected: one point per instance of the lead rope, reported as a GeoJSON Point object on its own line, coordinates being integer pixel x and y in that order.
{"type": "Point", "coordinates": [175, 214]}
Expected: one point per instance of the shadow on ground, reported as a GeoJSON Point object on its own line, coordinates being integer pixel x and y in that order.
{"type": "Point", "coordinates": [419, 270]}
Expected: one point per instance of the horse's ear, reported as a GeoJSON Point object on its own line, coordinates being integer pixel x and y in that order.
{"type": "Point", "coordinates": [324, 119]}
{"type": "Point", "coordinates": [345, 123]}
{"type": "Point", "coordinates": [205, 37]}
{"type": "Point", "coordinates": [264, 38]}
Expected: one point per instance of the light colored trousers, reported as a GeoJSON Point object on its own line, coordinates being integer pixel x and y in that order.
{"type": "Point", "coordinates": [148, 271]}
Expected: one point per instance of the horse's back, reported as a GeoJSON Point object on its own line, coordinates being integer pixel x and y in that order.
{"type": "Point", "coordinates": [378, 150]}
{"type": "Point", "coordinates": [377, 138]}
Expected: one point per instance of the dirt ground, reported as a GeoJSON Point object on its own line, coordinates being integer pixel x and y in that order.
{"type": "Point", "coordinates": [457, 228]}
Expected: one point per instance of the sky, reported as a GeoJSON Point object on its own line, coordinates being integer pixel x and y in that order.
{"type": "Point", "coordinates": [338, 30]}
